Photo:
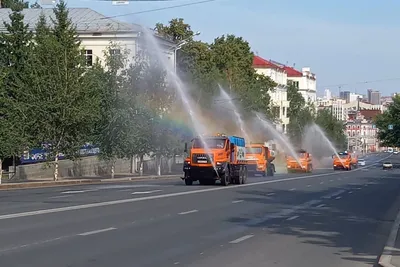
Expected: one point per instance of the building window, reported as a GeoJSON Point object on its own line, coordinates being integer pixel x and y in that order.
{"type": "Point", "coordinates": [283, 111]}
{"type": "Point", "coordinates": [89, 57]}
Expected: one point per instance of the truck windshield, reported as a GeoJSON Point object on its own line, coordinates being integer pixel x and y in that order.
{"type": "Point", "coordinates": [343, 156]}
{"type": "Point", "coordinates": [253, 150]}
{"type": "Point", "coordinates": [210, 143]}
{"type": "Point", "coordinates": [302, 155]}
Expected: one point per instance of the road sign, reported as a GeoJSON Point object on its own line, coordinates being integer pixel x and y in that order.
{"type": "Point", "coordinates": [390, 127]}
{"type": "Point", "coordinates": [373, 126]}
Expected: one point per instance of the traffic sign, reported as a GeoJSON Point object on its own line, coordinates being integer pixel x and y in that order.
{"type": "Point", "coordinates": [390, 127]}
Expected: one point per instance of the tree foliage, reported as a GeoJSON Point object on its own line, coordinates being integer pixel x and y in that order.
{"type": "Point", "coordinates": [63, 102]}
{"type": "Point", "coordinates": [390, 137]}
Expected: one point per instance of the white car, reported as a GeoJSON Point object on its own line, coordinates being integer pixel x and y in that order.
{"type": "Point", "coordinates": [396, 152]}
{"type": "Point", "coordinates": [361, 162]}
{"type": "Point", "coordinates": [387, 165]}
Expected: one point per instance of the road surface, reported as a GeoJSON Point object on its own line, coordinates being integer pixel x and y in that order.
{"type": "Point", "coordinates": [326, 218]}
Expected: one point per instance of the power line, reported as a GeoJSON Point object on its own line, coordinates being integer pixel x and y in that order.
{"type": "Point", "coordinates": [160, 9]}
{"type": "Point", "coordinates": [356, 83]}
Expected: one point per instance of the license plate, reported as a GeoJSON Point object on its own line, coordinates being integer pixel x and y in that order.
{"type": "Point", "coordinates": [202, 161]}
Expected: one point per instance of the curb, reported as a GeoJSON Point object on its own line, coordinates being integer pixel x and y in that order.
{"type": "Point", "coordinates": [28, 185]}
{"type": "Point", "coordinates": [386, 257]}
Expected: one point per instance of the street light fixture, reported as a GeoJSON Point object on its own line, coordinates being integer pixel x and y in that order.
{"type": "Point", "coordinates": [180, 44]}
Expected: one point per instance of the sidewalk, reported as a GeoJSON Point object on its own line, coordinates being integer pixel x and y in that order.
{"type": "Point", "coordinates": [71, 181]}
{"type": "Point", "coordinates": [391, 253]}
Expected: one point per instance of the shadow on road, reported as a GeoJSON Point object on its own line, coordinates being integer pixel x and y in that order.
{"type": "Point", "coordinates": [357, 224]}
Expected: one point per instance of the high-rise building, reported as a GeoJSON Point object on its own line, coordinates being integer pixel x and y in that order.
{"type": "Point", "coordinates": [328, 94]}
{"type": "Point", "coordinates": [369, 92]}
{"type": "Point", "coordinates": [345, 95]}
{"type": "Point", "coordinates": [375, 98]}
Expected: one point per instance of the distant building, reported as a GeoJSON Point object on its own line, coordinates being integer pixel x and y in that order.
{"type": "Point", "coordinates": [354, 97]}
{"type": "Point", "coordinates": [328, 94]}
{"type": "Point", "coordinates": [375, 98]}
{"type": "Point", "coordinates": [305, 80]}
{"type": "Point", "coordinates": [336, 106]}
{"type": "Point", "coordinates": [345, 95]}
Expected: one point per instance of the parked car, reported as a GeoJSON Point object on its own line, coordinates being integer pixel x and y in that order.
{"type": "Point", "coordinates": [387, 165]}
{"type": "Point", "coordinates": [396, 152]}
{"type": "Point", "coordinates": [361, 162]}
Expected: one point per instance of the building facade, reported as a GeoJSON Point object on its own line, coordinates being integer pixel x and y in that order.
{"type": "Point", "coordinates": [96, 32]}
{"type": "Point", "coordinates": [305, 80]}
{"type": "Point", "coordinates": [279, 95]}
{"type": "Point", "coordinates": [336, 106]}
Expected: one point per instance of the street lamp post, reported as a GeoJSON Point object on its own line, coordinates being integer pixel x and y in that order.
{"type": "Point", "coordinates": [179, 46]}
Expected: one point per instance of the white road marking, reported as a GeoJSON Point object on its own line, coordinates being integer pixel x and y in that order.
{"type": "Point", "coordinates": [321, 206]}
{"type": "Point", "coordinates": [187, 212]}
{"type": "Point", "coordinates": [350, 192]}
{"type": "Point", "coordinates": [131, 200]}
{"type": "Point", "coordinates": [145, 192]}
{"type": "Point", "coordinates": [292, 189]}
{"type": "Point", "coordinates": [73, 192]}
{"type": "Point", "coordinates": [241, 239]}
{"type": "Point", "coordinates": [270, 194]}
{"type": "Point", "coordinates": [97, 231]}
{"type": "Point", "coordinates": [309, 185]}
{"type": "Point", "coordinates": [60, 196]}
{"type": "Point", "coordinates": [338, 197]}
{"type": "Point", "coordinates": [292, 218]}
{"type": "Point", "coordinates": [237, 201]}
{"type": "Point", "coordinates": [358, 188]}
{"type": "Point", "coordinates": [33, 244]}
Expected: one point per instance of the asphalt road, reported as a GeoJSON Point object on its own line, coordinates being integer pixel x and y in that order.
{"type": "Point", "coordinates": [326, 218]}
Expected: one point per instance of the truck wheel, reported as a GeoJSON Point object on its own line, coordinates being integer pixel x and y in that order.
{"type": "Point", "coordinates": [188, 181]}
{"type": "Point", "coordinates": [245, 174]}
{"type": "Point", "coordinates": [225, 178]}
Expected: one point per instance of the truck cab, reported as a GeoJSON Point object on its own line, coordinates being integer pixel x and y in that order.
{"type": "Point", "coordinates": [342, 161]}
{"type": "Point", "coordinates": [259, 159]}
{"type": "Point", "coordinates": [305, 164]}
{"type": "Point", "coordinates": [216, 157]}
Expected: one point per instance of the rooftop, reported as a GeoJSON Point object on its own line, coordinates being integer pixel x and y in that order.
{"type": "Point", "coordinates": [86, 20]}
{"type": "Point", "coordinates": [259, 62]}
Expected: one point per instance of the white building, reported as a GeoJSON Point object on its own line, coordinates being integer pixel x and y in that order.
{"type": "Point", "coordinates": [279, 95]}
{"type": "Point", "coordinates": [336, 106]}
{"type": "Point", "coordinates": [305, 80]}
{"type": "Point", "coordinates": [95, 31]}
{"type": "Point", "coordinates": [359, 105]}
{"type": "Point", "coordinates": [327, 94]}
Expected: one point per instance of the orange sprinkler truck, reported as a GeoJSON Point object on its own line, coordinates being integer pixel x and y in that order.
{"type": "Point", "coordinates": [305, 161]}
{"type": "Point", "coordinates": [259, 159]}
{"type": "Point", "coordinates": [343, 162]}
{"type": "Point", "coordinates": [225, 160]}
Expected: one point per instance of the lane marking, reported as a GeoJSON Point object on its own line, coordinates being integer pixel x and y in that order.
{"type": "Point", "coordinates": [145, 192]}
{"type": "Point", "coordinates": [292, 189]}
{"type": "Point", "coordinates": [338, 197]}
{"type": "Point", "coordinates": [97, 231]}
{"type": "Point", "coordinates": [187, 212]}
{"type": "Point", "coordinates": [237, 201]}
{"type": "Point", "coordinates": [270, 194]}
{"type": "Point", "coordinates": [73, 192]}
{"type": "Point", "coordinates": [131, 200]}
{"type": "Point", "coordinates": [243, 238]}
{"type": "Point", "coordinates": [321, 206]}
{"type": "Point", "coordinates": [60, 196]}
{"type": "Point", "coordinates": [292, 218]}
{"type": "Point", "coordinates": [350, 192]}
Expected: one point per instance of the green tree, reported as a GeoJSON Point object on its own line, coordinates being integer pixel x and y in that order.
{"type": "Point", "coordinates": [176, 30]}
{"type": "Point", "coordinates": [333, 128]}
{"type": "Point", "coordinates": [390, 137]}
{"type": "Point", "coordinates": [113, 125]}
{"type": "Point", "coordinates": [300, 114]}
{"type": "Point", "coordinates": [63, 100]}
{"type": "Point", "coordinates": [15, 54]}
{"type": "Point", "coordinates": [36, 5]}
{"type": "Point", "coordinates": [13, 3]}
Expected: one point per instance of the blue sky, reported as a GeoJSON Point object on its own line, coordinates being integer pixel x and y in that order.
{"type": "Point", "coordinates": [344, 42]}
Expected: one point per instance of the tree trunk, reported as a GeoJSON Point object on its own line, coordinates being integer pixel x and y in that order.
{"type": "Point", "coordinates": [133, 164]}
{"type": "Point", "coordinates": [170, 163]}
{"type": "Point", "coordinates": [56, 168]}
{"type": "Point", "coordinates": [158, 162]}
{"type": "Point", "coordinates": [1, 170]}
{"type": "Point", "coordinates": [113, 169]}
{"type": "Point", "coordinates": [141, 165]}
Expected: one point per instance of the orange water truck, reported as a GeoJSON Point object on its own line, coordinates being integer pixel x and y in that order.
{"type": "Point", "coordinates": [342, 161]}
{"type": "Point", "coordinates": [216, 157]}
{"type": "Point", "coordinates": [304, 163]}
{"type": "Point", "coordinates": [259, 159]}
